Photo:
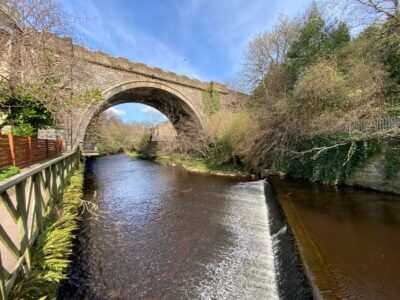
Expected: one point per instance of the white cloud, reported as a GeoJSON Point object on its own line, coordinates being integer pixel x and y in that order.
{"type": "Point", "coordinates": [225, 27]}
{"type": "Point", "coordinates": [149, 110]}
{"type": "Point", "coordinates": [117, 111]}
{"type": "Point", "coordinates": [97, 32]}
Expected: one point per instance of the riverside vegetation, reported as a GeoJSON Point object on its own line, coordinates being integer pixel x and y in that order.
{"type": "Point", "coordinates": [53, 247]}
{"type": "Point", "coordinates": [309, 80]}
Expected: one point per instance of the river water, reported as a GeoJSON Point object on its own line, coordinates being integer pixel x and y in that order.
{"type": "Point", "coordinates": [164, 233]}
{"type": "Point", "coordinates": [349, 238]}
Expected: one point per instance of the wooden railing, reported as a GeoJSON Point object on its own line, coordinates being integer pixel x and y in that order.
{"type": "Point", "coordinates": [24, 200]}
{"type": "Point", "coordinates": [24, 151]}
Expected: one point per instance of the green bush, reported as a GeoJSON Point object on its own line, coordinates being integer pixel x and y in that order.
{"type": "Point", "coordinates": [143, 144]}
{"type": "Point", "coordinates": [24, 130]}
{"type": "Point", "coordinates": [26, 111]}
{"type": "Point", "coordinates": [8, 172]}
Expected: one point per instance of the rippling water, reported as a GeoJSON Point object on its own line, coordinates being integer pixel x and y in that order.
{"type": "Point", "coordinates": [164, 233]}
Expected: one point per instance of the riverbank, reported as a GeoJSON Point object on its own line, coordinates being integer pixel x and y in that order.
{"type": "Point", "coordinates": [196, 164]}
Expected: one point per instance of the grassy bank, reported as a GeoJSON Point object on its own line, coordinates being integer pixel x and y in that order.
{"type": "Point", "coordinates": [200, 165]}
{"type": "Point", "coordinates": [53, 247]}
{"type": "Point", "coordinates": [134, 154]}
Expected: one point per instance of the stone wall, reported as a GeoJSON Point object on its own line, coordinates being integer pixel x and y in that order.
{"type": "Point", "coordinates": [372, 174]}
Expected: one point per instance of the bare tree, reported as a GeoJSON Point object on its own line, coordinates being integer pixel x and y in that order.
{"type": "Point", "coordinates": [109, 132]}
{"type": "Point", "coordinates": [35, 52]}
{"type": "Point", "coordinates": [362, 12]}
{"type": "Point", "coordinates": [268, 50]}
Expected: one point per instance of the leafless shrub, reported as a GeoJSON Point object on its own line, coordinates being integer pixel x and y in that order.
{"type": "Point", "coordinates": [361, 13]}
{"type": "Point", "coordinates": [267, 51]}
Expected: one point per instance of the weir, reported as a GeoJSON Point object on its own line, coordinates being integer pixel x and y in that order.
{"type": "Point", "coordinates": [24, 201]}
{"type": "Point", "coordinates": [164, 233]}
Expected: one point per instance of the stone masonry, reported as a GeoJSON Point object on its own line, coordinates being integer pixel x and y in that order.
{"type": "Point", "coordinates": [180, 98]}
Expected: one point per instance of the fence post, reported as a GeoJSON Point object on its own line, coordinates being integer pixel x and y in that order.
{"type": "Point", "coordinates": [12, 150]}
{"type": "Point", "coordinates": [58, 145]}
{"type": "Point", "coordinates": [47, 148]}
{"type": "Point", "coordinates": [38, 201]}
{"type": "Point", "coordinates": [30, 150]}
{"type": "Point", "coordinates": [23, 222]}
{"type": "Point", "coordinates": [3, 292]}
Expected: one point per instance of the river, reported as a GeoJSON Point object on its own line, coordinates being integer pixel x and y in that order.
{"type": "Point", "coordinates": [349, 238]}
{"type": "Point", "coordinates": [164, 233]}
{"type": "Point", "coordinates": [161, 232]}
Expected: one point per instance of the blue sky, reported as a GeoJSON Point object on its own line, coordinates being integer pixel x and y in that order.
{"type": "Point", "coordinates": [204, 39]}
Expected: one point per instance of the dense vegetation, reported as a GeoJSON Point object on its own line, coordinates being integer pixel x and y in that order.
{"type": "Point", "coordinates": [310, 81]}
{"type": "Point", "coordinates": [111, 135]}
{"type": "Point", "coordinates": [29, 106]}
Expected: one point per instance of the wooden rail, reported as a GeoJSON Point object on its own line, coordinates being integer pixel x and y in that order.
{"type": "Point", "coordinates": [24, 202]}
{"type": "Point", "coordinates": [25, 151]}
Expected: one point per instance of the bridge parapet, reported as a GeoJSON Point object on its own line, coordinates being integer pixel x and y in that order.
{"type": "Point", "coordinates": [123, 64]}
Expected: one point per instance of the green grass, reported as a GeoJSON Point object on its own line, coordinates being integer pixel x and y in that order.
{"type": "Point", "coordinates": [196, 163]}
{"type": "Point", "coordinates": [134, 154]}
{"type": "Point", "coordinates": [53, 247]}
{"type": "Point", "coordinates": [8, 172]}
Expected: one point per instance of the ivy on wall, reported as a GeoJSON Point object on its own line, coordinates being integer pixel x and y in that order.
{"type": "Point", "coordinates": [332, 165]}
{"type": "Point", "coordinates": [211, 101]}
{"type": "Point", "coordinates": [392, 158]}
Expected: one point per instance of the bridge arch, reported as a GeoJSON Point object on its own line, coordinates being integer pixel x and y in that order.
{"type": "Point", "coordinates": [187, 119]}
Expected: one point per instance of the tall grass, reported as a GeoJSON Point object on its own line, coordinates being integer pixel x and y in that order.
{"type": "Point", "coordinates": [53, 247]}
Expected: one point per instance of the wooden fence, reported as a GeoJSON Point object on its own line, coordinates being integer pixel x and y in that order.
{"type": "Point", "coordinates": [24, 151]}
{"type": "Point", "coordinates": [24, 201]}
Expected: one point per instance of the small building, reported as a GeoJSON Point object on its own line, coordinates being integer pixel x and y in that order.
{"type": "Point", "coordinates": [163, 132]}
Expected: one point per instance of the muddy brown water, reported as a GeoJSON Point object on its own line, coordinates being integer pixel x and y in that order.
{"type": "Point", "coordinates": [349, 237]}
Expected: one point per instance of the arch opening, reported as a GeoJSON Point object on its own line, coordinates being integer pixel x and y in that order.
{"type": "Point", "coordinates": [184, 117]}
{"type": "Point", "coordinates": [177, 110]}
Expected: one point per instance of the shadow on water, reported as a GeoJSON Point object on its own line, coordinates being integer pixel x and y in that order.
{"type": "Point", "coordinates": [292, 281]}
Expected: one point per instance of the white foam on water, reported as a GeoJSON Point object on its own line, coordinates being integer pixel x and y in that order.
{"type": "Point", "coordinates": [247, 270]}
{"type": "Point", "coordinates": [280, 232]}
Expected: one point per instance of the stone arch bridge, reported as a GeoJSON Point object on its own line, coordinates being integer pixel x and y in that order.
{"type": "Point", "coordinates": [185, 101]}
